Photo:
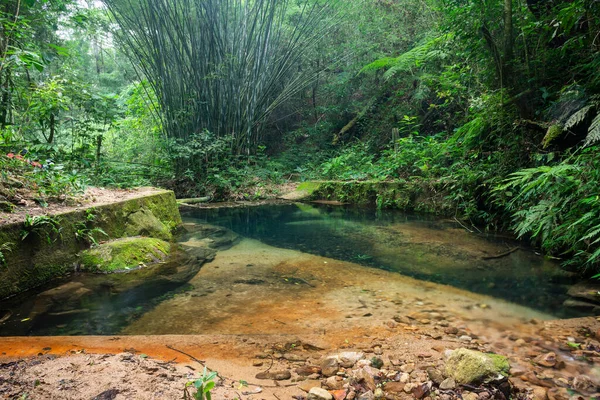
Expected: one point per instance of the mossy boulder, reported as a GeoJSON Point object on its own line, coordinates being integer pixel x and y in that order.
{"type": "Point", "coordinates": [124, 254]}
{"type": "Point", "coordinates": [473, 367]}
{"type": "Point", "coordinates": [145, 223]}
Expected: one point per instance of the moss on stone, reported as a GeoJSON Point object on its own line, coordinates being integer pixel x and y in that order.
{"type": "Point", "coordinates": [473, 367]}
{"type": "Point", "coordinates": [144, 223]}
{"type": "Point", "coordinates": [123, 254]}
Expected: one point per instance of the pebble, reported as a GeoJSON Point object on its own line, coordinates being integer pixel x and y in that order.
{"type": "Point", "coordinates": [377, 350]}
{"type": "Point", "coordinates": [394, 387]}
{"type": "Point", "coordinates": [318, 393]}
{"type": "Point", "coordinates": [367, 396]}
{"type": "Point", "coordinates": [330, 366]}
{"type": "Point", "coordinates": [448, 384]}
{"type": "Point", "coordinates": [307, 385]}
{"type": "Point", "coordinates": [435, 375]}
{"type": "Point", "coordinates": [469, 396]}
{"type": "Point", "coordinates": [378, 394]}
{"type": "Point", "coordinates": [540, 393]}
{"type": "Point", "coordinates": [334, 383]}
{"type": "Point", "coordinates": [451, 330]}
{"type": "Point", "coordinates": [520, 342]}
{"type": "Point", "coordinates": [408, 368]}
{"type": "Point", "coordinates": [404, 377]}
{"type": "Point", "coordinates": [257, 363]}
{"type": "Point", "coordinates": [465, 338]}
{"type": "Point", "coordinates": [547, 360]}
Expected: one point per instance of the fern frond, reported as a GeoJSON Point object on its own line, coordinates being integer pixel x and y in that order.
{"type": "Point", "coordinates": [577, 117]}
{"type": "Point", "coordinates": [593, 134]}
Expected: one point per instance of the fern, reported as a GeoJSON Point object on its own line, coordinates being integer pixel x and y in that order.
{"type": "Point", "coordinates": [577, 117]}
{"type": "Point", "coordinates": [593, 134]}
{"type": "Point", "coordinates": [413, 58]}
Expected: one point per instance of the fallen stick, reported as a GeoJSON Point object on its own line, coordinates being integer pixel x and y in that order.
{"type": "Point", "coordinates": [507, 253]}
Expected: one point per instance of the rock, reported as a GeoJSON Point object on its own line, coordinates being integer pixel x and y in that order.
{"type": "Point", "coordinates": [469, 396]}
{"type": "Point", "coordinates": [473, 367]}
{"type": "Point", "coordinates": [378, 395]}
{"type": "Point", "coordinates": [520, 342]}
{"type": "Point", "coordinates": [448, 384]}
{"type": "Point", "coordinates": [420, 391]}
{"type": "Point", "coordinates": [349, 358]}
{"type": "Point", "coordinates": [376, 362]}
{"type": "Point", "coordinates": [123, 255]}
{"type": "Point", "coordinates": [408, 368]}
{"type": "Point", "coordinates": [339, 394]}
{"type": "Point", "coordinates": [404, 377]}
{"type": "Point", "coordinates": [435, 375]}
{"type": "Point", "coordinates": [276, 375]}
{"type": "Point", "coordinates": [394, 387]}
{"type": "Point", "coordinates": [451, 330]}
{"type": "Point", "coordinates": [361, 375]}
{"type": "Point", "coordinates": [144, 223]}
{"type": "Point", "coordinates": [351, 395]}
{"type": "Point", "coordinates": [334, 383]}
{"type": "Point", "coordinates": [367, 396]}
{"type": "Point", "coordinates": [257, 363]}
{"type": "Point", "coordinates": [377, 350]}
{"type": "Point", "coordinates": [294, 357]}
{"type": "Point", "coordinates": [317, 393]}
{"type": "Point", "coordinates": [558, 394]}
{"type": "Point", "coordinates": [309, 384]}
{"type": "Point", "coordinates": [540, 393]}
{"type": "Point", "coordinates": [547, 360]}
{"type": "Point", "coordinates": [307, 370]}
{"type": "Point", "coordinates": [586, 290]}
{"type": "Point", "coordinates": [583, 384]}
{"type": "Point", "coordinates": [330, 366]}
{"type": "Point", "coordinates": [465, 338]}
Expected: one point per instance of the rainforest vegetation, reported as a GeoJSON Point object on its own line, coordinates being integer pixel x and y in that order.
{"type": "Point", "coordinates": [496, 102]}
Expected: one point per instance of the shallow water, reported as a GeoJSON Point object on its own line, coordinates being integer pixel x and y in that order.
{"type": "Point", "coordinates": [257, 286]}
{"type": "Point", "coordinates": [420, 247]}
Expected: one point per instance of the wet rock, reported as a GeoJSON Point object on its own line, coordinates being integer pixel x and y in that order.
{"type": "Point", "coordinates": [547, 360]}
{"type": "Point", "coordinates": [307, 370]}
{"type": "Point", "coordinates": [435, 375]}
{"type": "Point", "coordinates": [309, 384]}
{"type": "Point", "coordinates": [473, 367]}
{"type": "Point", "coordinates": [330, 366]}
{"type": "Point", "coordinates": [586, 290]}
{"type": "Point", "coordinates": [349, 358]}
{"type": "Point", "coordinates": [448, 384]}
{"type": "Point", "coordinates": [275, 375]}
{"type": "Point", "coordinates": [317, 393]}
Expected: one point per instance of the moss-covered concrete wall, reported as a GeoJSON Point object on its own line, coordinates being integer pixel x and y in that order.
{"type": "Point", "coordinates": [49, 250]}
{"type": "Point", "coordinates": [419, 196]}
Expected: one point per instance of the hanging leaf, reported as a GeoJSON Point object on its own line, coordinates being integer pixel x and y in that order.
{"type": "Point", "coordinates": [577, 117]}
{"type": "Point", "coordinates": [593, 135]}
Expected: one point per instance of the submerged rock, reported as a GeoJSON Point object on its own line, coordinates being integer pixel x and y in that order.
{"type": "Point", "coordinates": [473, 367]}
{"type": "Point", "coordinates": [122, 255]}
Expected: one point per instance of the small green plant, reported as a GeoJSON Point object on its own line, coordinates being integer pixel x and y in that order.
{"type": "Point", "coordinates": [203, 386]}
{"type": "Point", "coordinates": [5, 248]}
{"type": "Point", "coordinates": [84, 230]}
{"type": "Point", "coordinates": [43, 226]}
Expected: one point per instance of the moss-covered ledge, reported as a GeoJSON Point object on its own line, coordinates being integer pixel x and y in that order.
{"type": "Point", "coordinates": [424, 196]}
{"type": "Point", "coordinates": [49, 249]}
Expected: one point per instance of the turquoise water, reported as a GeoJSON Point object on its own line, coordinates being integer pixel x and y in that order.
{"type": "Point", "coordinates": [424, 248]}
{"type": "Point", "coordinates": [378, 239]}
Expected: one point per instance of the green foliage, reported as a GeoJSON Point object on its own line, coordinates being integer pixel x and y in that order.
{"type": "Point", "coordinates": [4, 249]}
{"type": "Point", "coordinates": [43, 226]}
{"type": "Point", "coordinates": [203, 386]}
{"type": "Point", "coordinates": [559, 208]}
{"type": "Point", "coordinates": [86, 232]}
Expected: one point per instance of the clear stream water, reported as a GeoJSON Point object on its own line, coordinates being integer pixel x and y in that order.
{"type": "Point", "coordinates": [420, 247]}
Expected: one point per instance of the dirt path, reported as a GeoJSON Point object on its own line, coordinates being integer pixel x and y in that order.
{"type": "Point", "coordinates": [93, 196]}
